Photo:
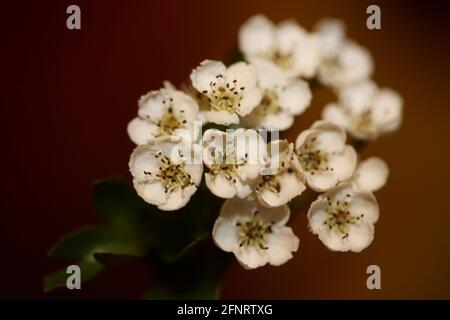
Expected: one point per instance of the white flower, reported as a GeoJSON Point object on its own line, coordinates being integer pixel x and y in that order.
{"type": "Point", "coordinates": [284, 181]}
{"type": "Point", "coordinates": [351, 64]}
{"type": "Point", "coordinates": [200, 99]}
{"type": "Point", "coordinates": [164, 174]}
{"type": "Point", "coordinates": [231, 92]}
{"type": "Point", "coordinates": [287, 45]}
{"type": "Point", "coordinates": [366, 111]}
{"type": "Point", "coordinates": [164, 112]}
{"type": "Point", "coordinates": [232, 161]}
{"type": "Point", "coordinates": [325, 159]}
{"type": "Point", "coordinates": [370, 175]}
{"type": "Point", "coordinates": [330, 33]}
{"type": "Point", "coordinates": [344, 218]}
{"type": "Point", "coordinates": [282, 100]}
{"type": "Point", "coordinates": [256, 235]}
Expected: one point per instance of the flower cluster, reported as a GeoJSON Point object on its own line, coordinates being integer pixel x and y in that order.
{"type": "Point", "coordinates": [256, 175]}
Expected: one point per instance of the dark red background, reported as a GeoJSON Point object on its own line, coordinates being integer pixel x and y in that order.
{"type": "Point", "coordinates": [67, 97]}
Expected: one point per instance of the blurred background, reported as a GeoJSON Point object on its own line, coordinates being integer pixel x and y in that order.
{"type": "Point", "coordinates": [67, 97]}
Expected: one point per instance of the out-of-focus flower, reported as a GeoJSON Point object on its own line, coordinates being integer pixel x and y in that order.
{"type": "Point", "coordinates": [164, 112]}
{"type": "Point", "coordinates": [366, 111]}
{"type": "Point", "coordinates": [256, 235]}
{"type": "Point", "coordinates": [283, 180]}
{"type": "Point", "coordinates": [344, 218]}
{"type": "Point", "coordinates": [370, 175]}
{"type": "Point", "coordinates": [282, 100]}
{"type": "Point", "coordinates": [232, 161]}
{"type": "Point", "coordinates": [231, 92]}
{"type": "Point", "coordinates": [289, 46]}
{"type": "Point", "coordinates": [324, 158]}
{"type": "Point", "coordinates": [352, 63]}
{"type": "Point", "coordinates": [164, 173]}
{"type": "Point", "coordinates": [330, 33]}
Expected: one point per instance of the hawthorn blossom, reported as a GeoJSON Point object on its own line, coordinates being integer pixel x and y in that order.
{"type": "Point", "coordinates": [164, 172]}
{"type": "Point", "coordinates": [283, 99]}
{"type": "Point", "coordinates": [256, 235]}
{"type": "Point", "coordinates": [288, 46]}
{"type": "Point", "coordinates": [232, 161]}
{"type": "Point", "coordinates": [231, 92]}
{"type": "Point", "coordinates": [344, 218]}
{"type": "Point", "coordinates": [163, 112]}
{"type": "Point", "coordinates": [370, 175]}
{"type": "Point", "coordinates": [283, 181]}
{"type": "Point", "coordinates": [324, 158]}
{"type": "Point", "coordinates": [330, 34]}
{"type": "Point", "coordinates": [366, 111]}
{"type": "Point", "coordinates": [351, 63]}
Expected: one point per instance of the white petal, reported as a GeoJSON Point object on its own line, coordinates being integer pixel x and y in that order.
{"type": "Point", "coordinates": [195, 171]}
{"type": "Point", "coordinates": [244, 74]}
{"type": "Point", "coordinates": [280, 121]}
{"type": "Point", "coordinates": [206, 72]}
{"type": "Point", "coordinates": [360, 236]}
{"type": "Point", "coordinates": [225, 234]}
{"type": "Point", "coordinates": [178, 198]}
{"type": "Point", "coordinates": [279, 216]}
{"type": "Point", "coordinates": [141, 131]}
{"type": "Point", "coordinates": [296, 97]}
{"type": "Point", "coordinates": [307, 57]}
{"type": "Point", "coordinates": [335, 113]}
{"type": "Point", "coordinates": [281, 243]}
{"type": "Point", "coordinates": [357, 63]}
{"type": "Point", "coordinates": [269, 74]}
{"type": "Point", "coordinates": [251, 257]}
{"type": "Point", "coordinates": [243, 190]}
{"type": "Point", "coordinates": [387, 109]}
{"type": "Point", "coordinates": [331, 137]}
{"type": "Point", "coordinates": [317, 215]}
{"type": "Point", "coordinates": [364, 203]}
{"type": "Point", "coordinates": [302, 137]}
{"type": "Point", "coordinates": [321, 181]}
{"type": "Point", "coordinates": [331, 33]}
{"type": "Point", "coordinates": [343, 164]}
{"type": "Point", "coordinates": [250, 145]}
{"type": "Point", "coordinates": [184, 107]}
{"type": "Point", "coordinates": [250, 100]}
{"type": "Point", "coordinates": [142, 162]}
{"type": "Point", "coordinates": [288, 36]}
{"type": "Point", "coordinates": [152, 193]}
{"type": "Point", "coordinates": [222, 117]}
{"type": "Point", "coordinates": [371, 174]}
{"type": "Point", "coordinates": [256, 36]}
{"type": "Point", "coordinates": [358, 96]}
{"type": "Point", "coordinates": [151, 105]}
{"type": "Point", "coordinates": [220, 186]}
{"type": "Point", "coordinates": [291, 186]}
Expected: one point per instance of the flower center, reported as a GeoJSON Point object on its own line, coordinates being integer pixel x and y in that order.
{"type": "Point", "coordinates": [168, 124]}
{"type": "Point", "coordinates": [339, 217]}
{"type": "Point", "coordinates": [270, 183]}
{"type": "Point", "coordinates": [224, 97]}
{"type": "Point", "coordinates": [253, 231]}
{"type": "Point", "coordinates": [268, 105]}
{"type": "Point", "coordinates": [283, 60]}
{"type": "Point", "coordinates": [229, 171]}
{"type": "Point", "coordinates": [364, 122]}
{"type": "Point", "coordinates": [172, 175]}
{"type": "Point", "coordinates": [312, 159]}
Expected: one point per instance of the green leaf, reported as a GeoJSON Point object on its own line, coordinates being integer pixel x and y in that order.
{"type": "Point", "coordinates": [118, 203]}
{"type": "Point", "coordinates": [91, 239]}
{"type": "Point", "coordinates": [89, 269]}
